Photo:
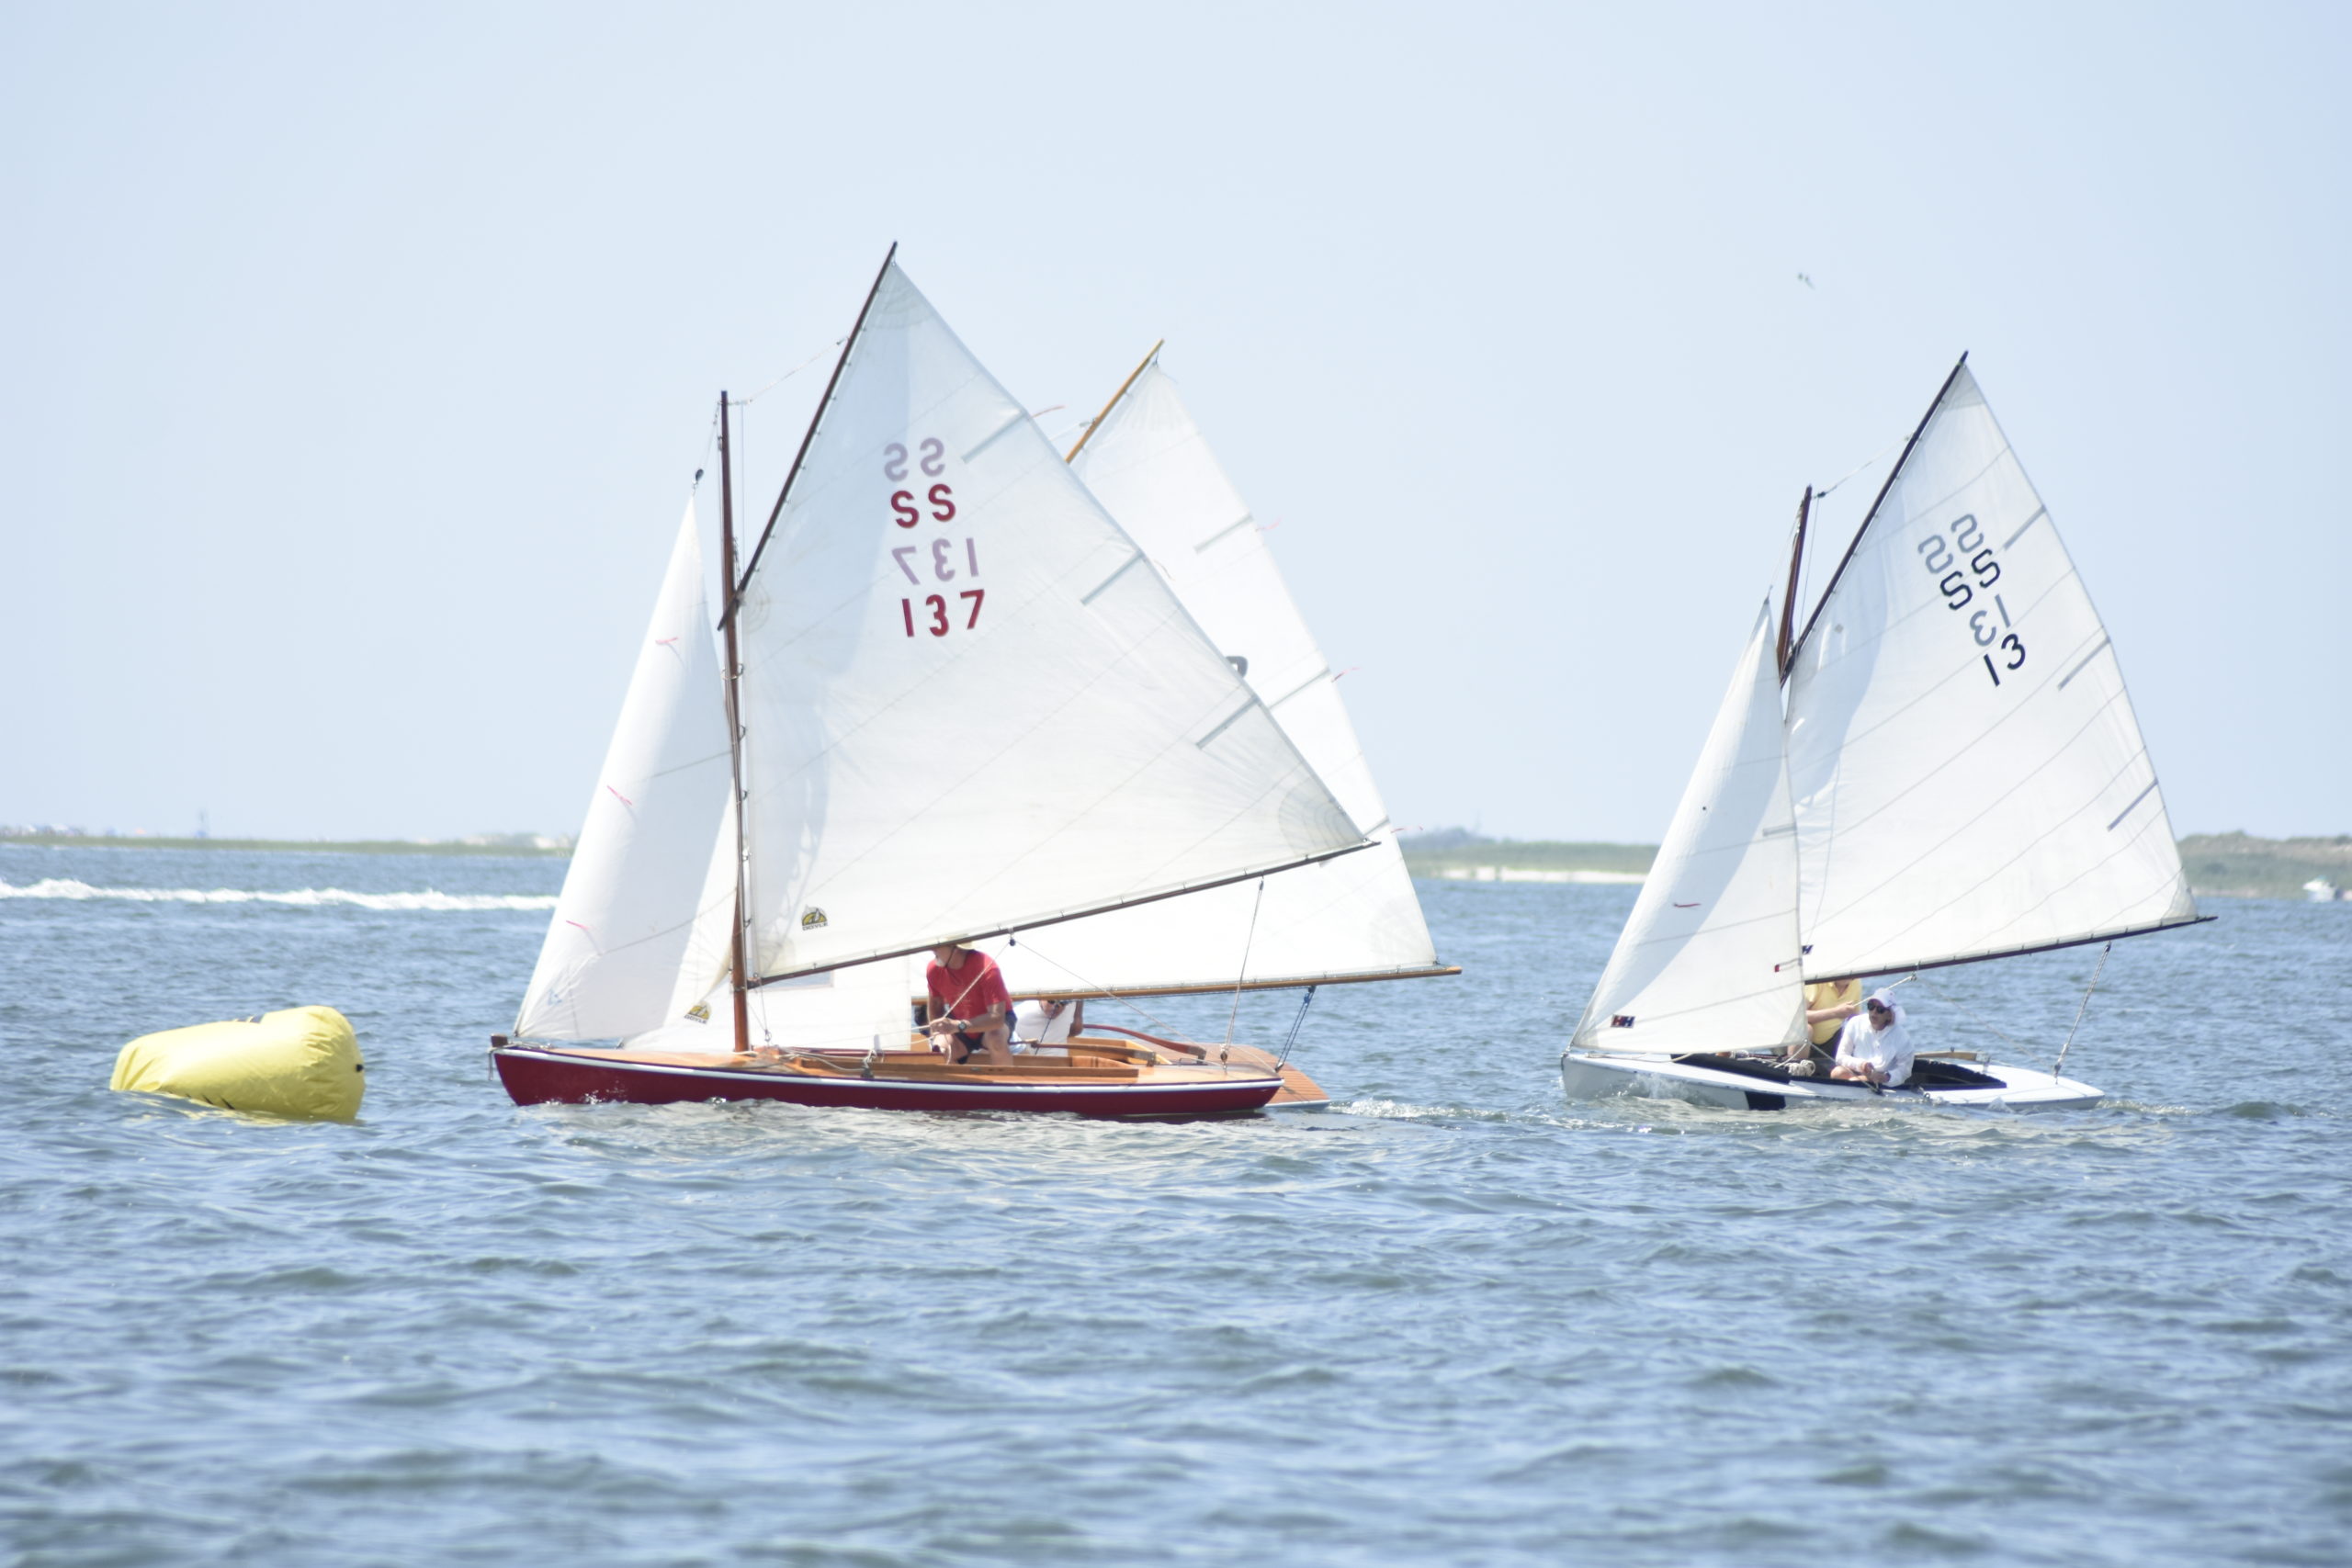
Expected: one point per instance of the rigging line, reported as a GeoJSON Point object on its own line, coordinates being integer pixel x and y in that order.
{"type": "Point", "coordinates": [1292, 1038]}
{"type": "Point", "coordinates": [1103, 990]}
{"type": "Point", "coordinates": [2059, 1065]}
{"type": "Point", "coordinates": [1804, 639]}
{"type": "Point", "coordinates": [1870, 461]}
{"type": "Point", "coordinates": [1248, 941]}
{"type": "Point", "coordinates": [735, 589]}
{"type": "Point", "coordinates": [772, 386]}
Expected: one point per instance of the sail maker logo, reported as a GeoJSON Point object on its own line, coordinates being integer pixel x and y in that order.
{"type": "Point", "coordinates": [812, 918]}
{"type": "Point", "coordinates": [1622, 1021]}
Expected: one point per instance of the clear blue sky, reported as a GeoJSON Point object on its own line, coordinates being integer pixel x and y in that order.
{"type": "Point", "coordinates": [356, 359]}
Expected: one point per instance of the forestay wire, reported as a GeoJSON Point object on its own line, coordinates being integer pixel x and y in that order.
{"type": "Point", "coordinates": [2084, 1008]}
{"type": "Point", "coordinates": [1246, 943]}
{"type": "Point", "coordinates": [1296, 1021]}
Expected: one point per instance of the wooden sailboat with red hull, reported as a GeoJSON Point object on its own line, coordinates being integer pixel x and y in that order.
{"type": "Point", "coordinates": [958, 697]}
{"type": "Point", "coordinates": [1095, 1080]}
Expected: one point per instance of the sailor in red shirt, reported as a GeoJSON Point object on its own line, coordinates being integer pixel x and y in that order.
{"type": "Point", "coordinates": [970, 1005]}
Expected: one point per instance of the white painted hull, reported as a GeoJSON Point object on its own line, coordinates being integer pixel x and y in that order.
{"type": "Point", "coordinates": [1587, 1076]}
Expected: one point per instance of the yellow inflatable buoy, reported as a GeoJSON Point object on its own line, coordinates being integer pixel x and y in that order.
{"type": "Point", "coordinates": [300, 1062]}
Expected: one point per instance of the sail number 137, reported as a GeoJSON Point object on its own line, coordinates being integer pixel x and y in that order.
{"type": "Point", "coordinates": [936, 560]}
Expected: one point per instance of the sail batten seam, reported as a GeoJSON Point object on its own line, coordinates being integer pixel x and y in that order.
{"type": "Point", "coordinates": [993, 436]}
{"type": "Point", "coordinates": [1229, 529]}
{"type": "Point", "coordinates": [1303, 685]}
{"type": "Point", "coordinates": [1098, 589]}
{"type": "Point", "coordinates": [2094, 653]}
{"type": "Point", "coordinates": [1230, 720]}
{"type": "Point", "coordinates": [2135, 805]}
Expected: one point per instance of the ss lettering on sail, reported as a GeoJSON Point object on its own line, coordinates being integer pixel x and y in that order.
{"type": "Point", "coordinates": [1966, 569]}
{"type": "Point", "coordinates": [940, 561]}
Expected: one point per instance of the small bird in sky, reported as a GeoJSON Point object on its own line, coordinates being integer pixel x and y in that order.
{"type": "Point", "coordinates": [1806, 281]}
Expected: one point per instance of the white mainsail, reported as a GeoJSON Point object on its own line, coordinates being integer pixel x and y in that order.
{"type": "Point", "coordinates": [1708, 959]}
{"type": "Point", "coordinates": [1968, 776]}
{"type": "Point", "coordinates": [1353, 918]}
{"type": "Point", "coordinates": [623, 924]}
{"type": "Point", "coordinates": [969, 702]}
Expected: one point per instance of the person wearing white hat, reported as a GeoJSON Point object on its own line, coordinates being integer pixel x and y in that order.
{"type": "Point", "coordinates": [1875, 1048]}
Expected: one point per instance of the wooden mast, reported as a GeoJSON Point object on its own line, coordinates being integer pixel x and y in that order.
{"type": "Point", "coordinates": [738, 964]}
{"type": "Point", "coordinates": [739, 972]}
{"type": "Point", "coordinates": [1787, 649]}
{"type": "Point", "coordinates": [1095, 423]}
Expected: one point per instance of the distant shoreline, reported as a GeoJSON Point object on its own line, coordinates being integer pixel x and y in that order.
{"type": "Point", "coordinates": [2227, 865]}
{"type": "Point", "coordinates": [527, 846]}
{"type": "Point", "coordinates": [2220, 865]}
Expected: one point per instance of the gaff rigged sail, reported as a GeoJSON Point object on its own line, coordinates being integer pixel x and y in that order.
{"type": "Point", "coordinates": [1968, 776]}
{"type": "Point", "coordinates": [1355, 917]}
{"type": "Point", "coordinates": [969, 702]}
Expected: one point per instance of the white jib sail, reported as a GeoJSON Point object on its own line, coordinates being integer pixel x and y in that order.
{"type": "Point", "coordinates": [1708, 959]}
{"type": "Point", "coordinates": [1353, 916]}
{"type": "Point", "coordinates": [621, 928]}
{"type": "Point", "coordinates": [969, 704]}
{"type": "Point", "coordinates": [1968, 775]}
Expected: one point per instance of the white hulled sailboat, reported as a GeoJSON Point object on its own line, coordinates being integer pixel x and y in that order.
{"type": "Point", "coordinates": [1955, 775]}
{"type": "Point", "coordinates": [963, 704]}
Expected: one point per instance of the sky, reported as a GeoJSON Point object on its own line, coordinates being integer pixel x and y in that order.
{"type": "Point", "coordinates": [355, 361]}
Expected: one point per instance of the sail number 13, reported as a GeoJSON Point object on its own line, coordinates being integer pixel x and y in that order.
{"type": "Point", "coordinates": [2004, 650]}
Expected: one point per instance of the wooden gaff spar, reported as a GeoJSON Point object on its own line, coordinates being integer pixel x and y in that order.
{"type": "Point", "coordinates": [1953, 775]}
{"type": "Point", "coordinates": [957, 702]}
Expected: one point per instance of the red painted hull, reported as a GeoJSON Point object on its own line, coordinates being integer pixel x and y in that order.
{"type": "Point", "coordinates": [543, 1078]}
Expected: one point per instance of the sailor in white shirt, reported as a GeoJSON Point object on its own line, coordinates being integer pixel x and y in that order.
{"type": "Point", "coordinates": [1875, 1048]}
{"type": "Point", "coordinates": [1040, 1022]}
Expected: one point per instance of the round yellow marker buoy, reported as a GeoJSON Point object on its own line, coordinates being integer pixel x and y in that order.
{"type": "Point", "coordinates": [300, 1062]}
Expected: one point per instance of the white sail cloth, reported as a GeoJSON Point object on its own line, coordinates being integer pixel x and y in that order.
{"type": "Point", "coordinates": [969, 702]}
{"type": "Point", "coordinates": [1969, 779]}
{"type": "Point", "coordinates": [1708, 959]}
{"type": "Point", "coordinates": [1354, 917]}
{"type": "Point", "coordinates": [622, 926]}
{"type": "Point", "coordinates": [841, 1010]}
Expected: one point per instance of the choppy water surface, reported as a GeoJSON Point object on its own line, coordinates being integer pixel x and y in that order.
{"type": "Point", "coordinates": [1455, 1321]}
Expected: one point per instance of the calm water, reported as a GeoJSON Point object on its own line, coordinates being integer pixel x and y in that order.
{"type": "Point", "coordinates": [1456, 1321]}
